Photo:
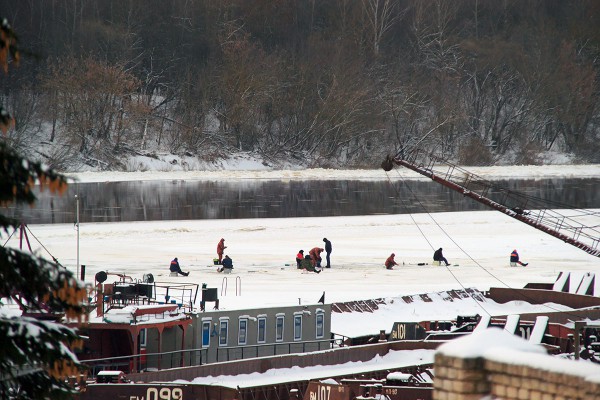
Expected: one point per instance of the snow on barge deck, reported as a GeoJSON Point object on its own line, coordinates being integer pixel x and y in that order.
{"type": "Point", "coordinates": [286, 376]}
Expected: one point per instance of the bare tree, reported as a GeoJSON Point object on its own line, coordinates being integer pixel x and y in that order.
{"type": "Point", "coordinates": [380, 16]}
{"type": "Point", "coordinates": [432, 29]}
{"type": "Point", "coordinates": [97, 104]}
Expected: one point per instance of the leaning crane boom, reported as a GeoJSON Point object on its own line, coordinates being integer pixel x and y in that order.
{"type": "Point", "coordinates": [511, 203]}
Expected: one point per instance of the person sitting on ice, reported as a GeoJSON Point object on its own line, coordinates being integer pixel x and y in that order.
{"type": "Point", "coordinates": [308, 266]}
{"type": "Point", "coordinates": [390, 262]}
{"type": "Point", "coordinates": [439, 257]}
{"type": "Point", "coordinates": [514, 258]}
{"type": "Point", "coordinates": [227, 263]}
{"type": "Point", "coordinates": [299, 258]}
{"type": "Point", "coordinates": [176, 268]}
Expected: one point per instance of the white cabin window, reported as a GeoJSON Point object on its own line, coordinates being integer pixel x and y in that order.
{"type": "Point", "coordinates": [279, 328]}
{"type": "Point", "coordinates": [262, 330]}
{"type": "Point", "coordinates": [297, 327]}
{"type": "Point", "coordinates": [206, 333]}
{"type": "Point", "coordinates": [223, 332]}
{"type": "Point", "coordinates": [242, 331]}
{"type": "Point", "coordinates": [320, 321]}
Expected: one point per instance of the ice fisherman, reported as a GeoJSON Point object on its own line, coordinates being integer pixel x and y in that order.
{"type": "Point", "coordinates": [315, 256]}
{"type": "Point", "coordinates": [328, 249]}
{"type": "Point", "coordinates": [174, 267]}
{"type": "Point", "coordinates": [299, 258]}
{"type": "Point", "coordinates": [438, 256]}
{"type": "Point", "coordinates": [221, 249]}
{"type": "Point", "coordinates": [306, 265]}
{"type": "Point", "coordinates": [514, 258]}
{"type": "Point", "coordinates": [390, 262]}
{"type": "Point", "coordinates": [227, 264]}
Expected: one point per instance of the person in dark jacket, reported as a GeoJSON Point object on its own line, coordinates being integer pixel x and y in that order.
{"type": "Point", "coordinates": [514, 258]}
{"type": "Point", "coordinates": [299, 258]}
{"type": "Point", "coordinates": [226, 264]}
{"type": "Point", "coordinates": [438, 256]}
{"type": "Point", "coordinates": [174, 267]}
{"type": "Point", "coordinates": [328, 249]}
{"type": "Point", "coordinates": [390, 262]}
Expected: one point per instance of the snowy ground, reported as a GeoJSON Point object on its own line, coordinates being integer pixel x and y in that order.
{"type": "Point", "coordinates": [263, 250]}
{"type": "Point", "coordinates": [254, 170]}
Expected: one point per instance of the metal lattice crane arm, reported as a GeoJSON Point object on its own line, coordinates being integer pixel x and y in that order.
{"type": "Point", "coordinates": [524, 208]}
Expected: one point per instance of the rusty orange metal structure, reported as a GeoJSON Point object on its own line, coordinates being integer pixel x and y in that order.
{"type": "Point", "coordinates": [527, 209]}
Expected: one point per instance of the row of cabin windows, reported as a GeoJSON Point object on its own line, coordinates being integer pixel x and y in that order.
{"type": "Point", "coordinates": [222, 331]}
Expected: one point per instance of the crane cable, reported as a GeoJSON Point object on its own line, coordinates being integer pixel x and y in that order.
{"type": "Point", "coordinates": [461, 249]}
{"type": "Point", "coordinates": [40, 243]}
{"type": "Point", "coordinates": [544, 204]}
{"type": "Point", "coordinates": [430, 245]}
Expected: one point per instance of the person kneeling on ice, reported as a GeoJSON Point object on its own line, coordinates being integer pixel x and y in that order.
{"type": "Point", "coordinates": [227, 263]}
{"type": "Point", "coordinates": [439, 257]}
{"type": "Point", "coordinates": [390, 262]}
{"type": "Point", "coordinates": [176, 268]}
{"type": "Point", "coordinates": [514, 258]}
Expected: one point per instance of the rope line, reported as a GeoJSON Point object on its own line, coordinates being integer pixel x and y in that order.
{"type": "Point", "coordinates": [537, 206]}
{"type": "Point", "coordinates": [433, 248]}
{"type": "Point", "coordinates": [44, 247]}
{"type": "Point", "coordinates": [11, 235]}
{"type": "Point", "coordinates": [465, 252]}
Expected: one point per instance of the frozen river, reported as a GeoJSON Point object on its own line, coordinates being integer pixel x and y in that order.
{"type": "Point", "coordinates": [191, 200]}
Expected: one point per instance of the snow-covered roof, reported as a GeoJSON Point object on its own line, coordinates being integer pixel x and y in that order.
{"type": "Point", "coordinates": [392, 360]}
{"type": "Point", "coordinates": [139, 314]}
{"type": "Point", "coordinates": [482, 341]}
{"type": "Point", "coordinates": [498, 345]}
{"type": "Point", "coordinates": [438, 307]}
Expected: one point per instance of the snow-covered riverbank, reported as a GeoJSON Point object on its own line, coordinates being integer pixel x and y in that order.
{"type": "Point", "coordinates": [238, 172]}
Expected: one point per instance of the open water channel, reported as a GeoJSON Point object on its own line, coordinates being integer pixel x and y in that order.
{"type": "Point", "coordinates": [182, 200]}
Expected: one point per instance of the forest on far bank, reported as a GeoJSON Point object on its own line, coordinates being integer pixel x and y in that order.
{"type": "Point", "coordinates": [328, 83]}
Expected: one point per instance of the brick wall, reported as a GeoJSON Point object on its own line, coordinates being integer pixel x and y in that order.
{"type": "Point", "coordinates": [474, 378]}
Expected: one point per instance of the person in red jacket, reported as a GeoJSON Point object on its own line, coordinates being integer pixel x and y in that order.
{"type": "Point", "coordinates": [220, 249]}
{"type": "Point", "coordinates": [299, 258]}
{"type": "Point", "coordinates": [315, 256]}
{"type": "Point", "coordinates": [390, 262]}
